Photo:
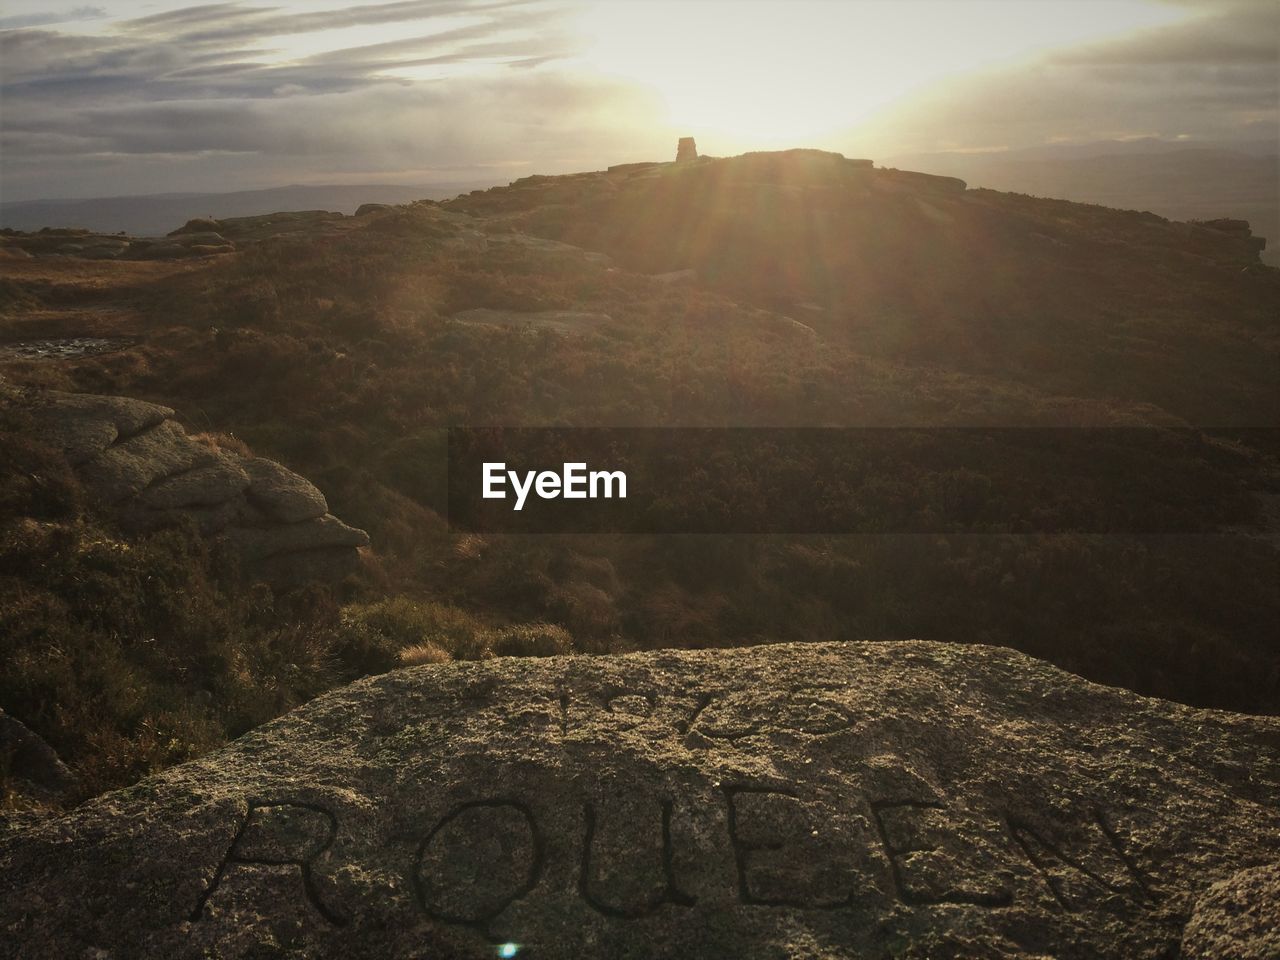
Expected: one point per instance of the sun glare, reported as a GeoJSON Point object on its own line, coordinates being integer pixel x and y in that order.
{"type": "Point", "coordinates": [762, 74]}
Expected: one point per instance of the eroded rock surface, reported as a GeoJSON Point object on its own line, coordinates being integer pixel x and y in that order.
{"type": "Point", "coordinates": [1237, 918]}
{"type": "Point", "coordinates": [134, 457]}
{"type": "Point", "coordinates": [800, 801]}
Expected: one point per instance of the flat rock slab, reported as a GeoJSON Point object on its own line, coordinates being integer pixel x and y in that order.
{"type": "Point", "coordinates": [561, 321]}
{"type": "Point", "coordinates": [62, 348]}
{"type": "Point", "coordinates": [800, 801]}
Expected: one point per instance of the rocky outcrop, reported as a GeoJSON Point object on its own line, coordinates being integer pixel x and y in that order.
{"type": "Point", "coordinates": [904, 800]}
{"type": "Point", "coordinates": [281, 493]}
{"type": "Point", "coordinates": [1236, 234]}
{"type": "Point", "coordinates": [909, 181]}
{"type": "Point", "coordinates": [179, 246]}
{"type": "Point", "coordinates": [196, 225]}
{"type": "Point", "coordinates": [74, 242]}
{"type": "Point", "coordinates": [196, 238]}
{"type": "Point", "coordinates": [133, 457]}
{"type": "Point", "coordinates": [62, 348]}
{"type": "Point", "coordinates": [686, 150]}
{"type": "Point", "coordinates": [641, 166]}
{"type": "Point", "coordinates": [560, 321]}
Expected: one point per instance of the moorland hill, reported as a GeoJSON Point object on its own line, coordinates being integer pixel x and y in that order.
{"type": "Point", "coordinates": [792, 289]}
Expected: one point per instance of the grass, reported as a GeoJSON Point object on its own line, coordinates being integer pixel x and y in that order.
{"type": "Point", "coordinates": [336, 354]}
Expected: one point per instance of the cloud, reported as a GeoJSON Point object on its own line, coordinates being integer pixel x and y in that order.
{"type": "Point", "coordinates": [1240, 34]}
{"type": "Point", "coordinates": [48, 18]}
{"type": "Point", "coordinates": [1215, 76]}
{"type": "Point", "coordinates": [156, 103]}
{"type": "Point", "coordinates": [233, 22]}
{"type": "Point", "coordinates": [224, 95]}
{"type": "Point", "coordinates": [160, 58]}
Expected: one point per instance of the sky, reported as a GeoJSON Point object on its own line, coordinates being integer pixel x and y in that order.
{"type": "Point", "coordinates": [148, 96]}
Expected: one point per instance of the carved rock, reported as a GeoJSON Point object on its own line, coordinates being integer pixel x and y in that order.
{"type": "Point", "coordinates": [827, 800]}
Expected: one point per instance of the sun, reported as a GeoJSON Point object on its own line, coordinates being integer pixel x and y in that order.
{"type": "Point", "coordinates": [763, 74]}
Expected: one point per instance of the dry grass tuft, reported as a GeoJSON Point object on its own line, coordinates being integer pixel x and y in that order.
{"type": "Point", "coordinates": [421, 653]}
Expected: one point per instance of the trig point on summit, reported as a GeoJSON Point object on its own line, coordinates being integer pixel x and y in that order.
{"type": "Point", "coordinates": [686, 150]}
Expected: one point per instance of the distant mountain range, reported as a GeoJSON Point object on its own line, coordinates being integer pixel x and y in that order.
{"type": "Point", "coordinates": [157, 214]}
{"type": "Point", "coordinates": [1192, 180]}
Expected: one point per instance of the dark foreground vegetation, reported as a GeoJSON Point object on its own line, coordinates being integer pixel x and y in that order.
{"type": "Point", "coordinates": [823, 296]}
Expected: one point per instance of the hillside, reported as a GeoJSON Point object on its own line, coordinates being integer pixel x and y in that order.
{"type": "Point", "coordinates": [157, 214]}
{"type": "Point", "coordinates": [780, 290]}
{"type": "Point", "coordinates": [1059, 297]}
{"type": "Point", "coordinates": [1182, 181]}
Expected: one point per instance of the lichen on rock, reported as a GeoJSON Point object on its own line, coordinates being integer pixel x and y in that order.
{"type": "Point", "coordinates": [838, 800]}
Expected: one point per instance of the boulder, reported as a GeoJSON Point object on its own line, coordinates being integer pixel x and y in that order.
{"type": "Point", "coordinates": [259, 543]}
{"type": "Point", "coordinates": [835, 800]}
{"type": "Point", "coordinates": [82, 425]}
{"type": "Point", "coordinates": [129, 466]}
{"type": "Point", "coordinates": [201, 238]}
{"type": "Point", "coordinates": [197, 225]}
{"type": "Point", "coordinates": [105, 248]}
{"type": "Point", "coordinates": [371, 208]}
{"type": "Point", "coordinates": [179, 245]}
{"type": "Point", "coordinates": [1227, 225]}
{"type": "Point", "coordinates": [641, 166]}
{"type": "Point", "coordinates": [133, 458]}
{"type": "Point", "coordinates": [560, 321]}
{"type": "Point", "coordinates": [675, 276]}
{"type": "Point", "coordinates": [209, 484]}
{"type": "Point", "coordinates": [283, 494]}
{"type": "Point", "coordinates": [909, 181]}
